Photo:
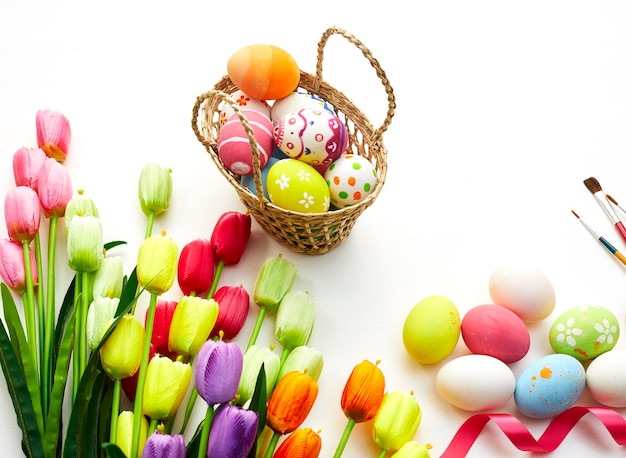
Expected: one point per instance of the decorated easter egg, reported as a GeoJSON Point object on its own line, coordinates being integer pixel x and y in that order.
{"type": "Point", "coordinates": [248, 180]}
{"type": "Point", "coordinates": [584, 332]}
{"type": "Point", "coordinates": [475, 382]}
{"type": "Point", "coordinates": [245, 102]}
{"type": "Point", "coordinates": [296, 101]}
{"type": "Point", "coordinates": [549, 386]}
{"type": "Point", "coordinates": [233, 144]}
{"type": "Point", "coordinates": [313, 135]}
{"type": "Point", "coordinates": [350, 178]}
{"type": "Point", "coordinates": [496, 331]}
{"type": "Point", "coordinates": [523, 289]}
{"type": "Point", "coordinates": [431, 329]}
{"type": "Point", "coordinates": [264, 72]}
{"type": "Point", "coordinates": [295, 185]}
{"type": "Point", "coordinates": [606, 378]}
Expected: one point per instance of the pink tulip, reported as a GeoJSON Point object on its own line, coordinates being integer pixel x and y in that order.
{"type": "Point", "coordinates": [53, 134]}
{"type": "Point", "coordinates": [22, 214]}
{"type": "Point", "coordinates": [230, 237]}
{"type": "Point", "coordinates": [26, 165]}
{"type": "Point", "coordinates": [55, 188]}
{"type": "Point", "coordinates": [12, 269]}
{"type": "Point", "coordinates": [196, 267]}
{"type": "Point", "coordinates": [234, 305]}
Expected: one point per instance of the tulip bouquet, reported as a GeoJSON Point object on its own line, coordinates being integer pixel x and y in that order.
{"type": "Point", "coordinates": [132, 380]}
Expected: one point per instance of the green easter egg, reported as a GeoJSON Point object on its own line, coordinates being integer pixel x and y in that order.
{"type": "Point", "coordinates": [584, 332]}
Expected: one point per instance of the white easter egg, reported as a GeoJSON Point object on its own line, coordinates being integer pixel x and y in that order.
{"type": "Point", "coordinates": [606, 378]}
{"type": "Point", "coordinates": [312, 135]}
{"type": "Point", "coordinates": [296, 101]}
{"type": "Point", "coordinates": [350, 178]}
{"type": "Point", "coordinates": [475, 382]}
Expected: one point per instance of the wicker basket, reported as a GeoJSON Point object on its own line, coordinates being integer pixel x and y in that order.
{"type": "Point", "coordinates": [310, 233]}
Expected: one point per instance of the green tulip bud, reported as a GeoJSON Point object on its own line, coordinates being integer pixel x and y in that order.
{"type": "Point", "coordinates": [85, 247]}
{"type": "Point", "coordinates": [100, 314]}
{"type": "Point", "coordinates": [155, 189]}
{"type": "Point", "coordinates": [303, 359]}
{"type": "Point", "coordinates": [295, 319]}
{"type": "Point", "coordinates": [396, 421]}
{"type": "Point", "coordinates": [254, 357]}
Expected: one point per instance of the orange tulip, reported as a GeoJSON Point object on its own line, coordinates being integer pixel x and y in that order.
{"type": "Point", "coordinates": [363, 392]}
{"type": "Point", "coordinates": [302, 443]}
{"type": "Point", "coordinates": [291, 402]}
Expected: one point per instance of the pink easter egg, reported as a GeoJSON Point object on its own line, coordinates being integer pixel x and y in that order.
{"type": "Point", "coordinates": [496, 331]}
{"type": "Point", "coordinates": [233, 144]}
{"type": "Point", "coordinates": [313, 135]}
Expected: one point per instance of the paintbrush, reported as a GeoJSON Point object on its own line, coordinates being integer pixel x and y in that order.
{"type": "Point", "coordinates": [594, 187]}
{"type": "Point", "coordinates": [614, 202]}
{"type": "Point", "coordinates": [602, 240]}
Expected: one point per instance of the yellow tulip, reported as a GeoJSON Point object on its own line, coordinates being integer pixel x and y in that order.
{"type": "Point", "coordinates": [121, 353]}
{"type": "Point", "coordinates": [193, 320]}
{"type": "Point", "coordinates": [165, 388]}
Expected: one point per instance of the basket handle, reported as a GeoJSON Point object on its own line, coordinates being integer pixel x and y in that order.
{"type": "Point", "coordinates": [256, 162]}
{"type": "Point", "coordinates": [391, 100]}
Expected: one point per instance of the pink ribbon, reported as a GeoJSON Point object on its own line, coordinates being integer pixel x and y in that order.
{"type": "Point", "coordinates": [521, 437]}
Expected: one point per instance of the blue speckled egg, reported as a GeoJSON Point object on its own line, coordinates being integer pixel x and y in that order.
{"type": "Point", "coordinates": [549, 386]}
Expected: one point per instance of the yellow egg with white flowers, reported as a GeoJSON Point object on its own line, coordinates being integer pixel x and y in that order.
{"type": "Point", "coordinates": [295, 185]}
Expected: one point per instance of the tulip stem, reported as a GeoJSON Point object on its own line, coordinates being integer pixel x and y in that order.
{"type": "Point", "coordinates": [153, 426]}
{"type": "Point", "coordinates": [383, 453]}
{"type": "Point", "coordinates": [50, 312]}
{"type": "Point", "coordinates": [141, 379]}
{"type": "Point", "coordinates": [84, 306]}
{"type": "Point", "coordinates": [77, 331]}
{"type": "Point", "coordinates": [216, 278]}
{"type": "Point", "coordinates": [42, 324]}
{"type": "Point", "coordinates": [272, 445]}
{"type": "Point", "coordinates": [150, 224]}
{"type": "Point", "coordinates": [192, 401]}
{"type": "Point", "coordinates": [115, 409]}
{"type": "Point", "coordinates": [206, 429]}
{"type": "Point", "coordinates": [344, 438]}
{"type": "Point", "coordinates": [29, 307]}
{"type": "Point", "coordinates": [257, 327]}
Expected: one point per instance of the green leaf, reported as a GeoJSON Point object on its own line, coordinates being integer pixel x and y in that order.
{"type": "Point", "coordinates": [110, 245]}
{"type": "Point", "coordinates": [129, 294]}
{"type": "Point", "coordinates": [18, 389]}
{"type": "Point", "coordinates": [113, 451]}
{"type": "Point", "coordinates": [191, 451]}
{"type": "Point", "coordinates": [53, 422]}
{"type": "Point", "coordinates": [258, 404]}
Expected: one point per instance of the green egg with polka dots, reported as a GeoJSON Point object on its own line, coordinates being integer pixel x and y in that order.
{"type": "Point", "coordinates": [584, 332]}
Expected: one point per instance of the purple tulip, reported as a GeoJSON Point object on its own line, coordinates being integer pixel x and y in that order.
{"type": "Point", "coordinates": [218, 370]}
{"type": "Point", "coordinates": [164, 446]}
{"type": "Point", "coordinates": [232, 432]}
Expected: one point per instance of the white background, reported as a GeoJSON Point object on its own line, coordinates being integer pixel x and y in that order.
{"type": "Point", "coordinates": [504, 108]}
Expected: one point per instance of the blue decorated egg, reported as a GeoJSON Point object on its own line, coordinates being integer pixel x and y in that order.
{"type": "Point", "coordinates": [549, 386]}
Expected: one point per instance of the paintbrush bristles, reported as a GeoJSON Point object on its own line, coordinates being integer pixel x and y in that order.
{"type": "Point", "coordinates": [593, 185]}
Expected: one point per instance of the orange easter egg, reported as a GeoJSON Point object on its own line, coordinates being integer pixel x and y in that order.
{"type": "Point", "coordinates": [264, 72]}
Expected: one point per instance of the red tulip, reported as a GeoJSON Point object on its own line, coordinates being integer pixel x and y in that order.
{"type": "Point", "coordinates": [53, 134]}
{"type": "Point", "coordinates": [26, 165]}
{"type": "Point", "coordinates": [54, 188]}
{"type": "Point", "coordinates": [163, 313]}
{"type": "Point", "coordinates": [234, 305]}
{"type": "Point", "coordinates": [196, 267]}
{"type": "Point", "coordinates": [230, 237]}
{"type": "Point", "coordinates": [22, 214]}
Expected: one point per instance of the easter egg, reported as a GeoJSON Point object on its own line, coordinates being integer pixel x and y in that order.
{"type": "Point", "coordinates": [233, 144]}
{"type": "Point", "coordinates": [524, 290]}
{"type": "Point", "coordinates": [584, 332]}
{"type": "Point", "coordinates": [549, 386]}
{"type": "Point", "coordinates": [263, 71]}
{"type": "Point", "coordinates": [431, 329]}
{"type": "Point", "coordinates": [606, 378]}
{"type": "Point", "coordinates": [245, 102]}
{"type": "Point", "coordinates": [496, 331]}
{"type": "Point", "coordinates": [295, 185]}
{"type": "Point", "coordinates": [475, 382]}
{"type": "Point", "coordinates": [296, 101]}
{"type": "Point", "coordinates": [248, 180]}
{"type": "Point", "coordinates": [313, 135]}
{"type": "Point", "coordinates": [350, 178]}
